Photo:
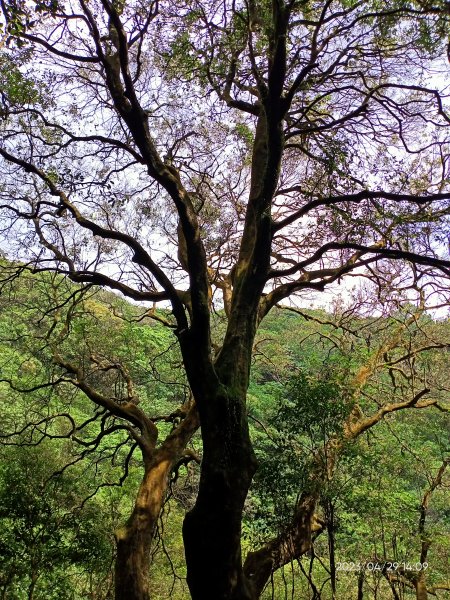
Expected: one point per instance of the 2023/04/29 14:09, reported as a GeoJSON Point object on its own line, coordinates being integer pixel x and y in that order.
{"type": "Point", "coordinates": [381, 566]}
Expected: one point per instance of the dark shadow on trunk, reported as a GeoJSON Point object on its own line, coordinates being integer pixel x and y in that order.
{"type": "Point", "coordinates": [212, 529]}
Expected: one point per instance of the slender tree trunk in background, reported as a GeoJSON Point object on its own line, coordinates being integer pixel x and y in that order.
{"type": "Point", "coordinates": [32, 586]}
{"type": "Point", "coordinates": [360, 585]}
{"type": "Point", "coordinates": [420, 581]}
{"type": "Point", "coordinates": [331, 545]}
{"type": "Point", "coordinates": [212, 529]}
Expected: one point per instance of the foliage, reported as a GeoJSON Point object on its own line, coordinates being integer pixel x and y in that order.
{"type": "Point", "coordinates": [48, 534]}
{"type": "Point", "coordinates": [301, 405]}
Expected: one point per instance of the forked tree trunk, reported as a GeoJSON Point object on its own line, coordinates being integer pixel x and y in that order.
{"type": "Point", "coordinates": [134, 539]}
{"type": "Point", "coordinates": [212, 529]}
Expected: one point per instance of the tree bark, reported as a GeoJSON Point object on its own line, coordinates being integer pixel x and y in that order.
{"type": "Point", "coordinates": [331, 545]}
{"type": "Point", "coordinates": [212, 529]}
{"type": "Point", "coordinates": [360, 595]}
{"type": "Point", "coordinates": [32, 586]}
{"type": "Point", "coordinates": [421, 588]}
{"type": "Point", "coordinates": [134, 539]}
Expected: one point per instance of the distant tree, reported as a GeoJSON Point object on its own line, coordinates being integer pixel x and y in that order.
{"type": "Point", "coordinates": [207, 154]}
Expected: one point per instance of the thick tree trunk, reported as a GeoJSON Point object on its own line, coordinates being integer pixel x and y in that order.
{"type": "Point", "coordinates": [132, 562]}
{"type": "Point", "coordinates": [134, 539]}
{"type": "Point", "coordinates": [212, 529]}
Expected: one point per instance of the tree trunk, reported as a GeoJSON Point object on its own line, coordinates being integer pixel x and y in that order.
{"type": "Point", "coordinates": [421, 588]}
{"type": "Point", "coordinates": [212, 529]}
{"type": "Point", "coordinates": [292, 543]}
{"type": "Point", "coordinates": [134, 539]}
{"type": "Point", "coordinates": [360, 595]}
{"type": "Point", "coordinates": [32, 586]}
{"type": "Point", "coordinates": [331, 545]}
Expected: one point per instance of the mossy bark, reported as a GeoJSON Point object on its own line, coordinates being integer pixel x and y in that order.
{"type": "Point", "coordinates": [134, 539]}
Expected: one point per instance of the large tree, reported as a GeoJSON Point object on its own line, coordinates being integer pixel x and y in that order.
{"type": "Point", "coordinates": [208, 154]}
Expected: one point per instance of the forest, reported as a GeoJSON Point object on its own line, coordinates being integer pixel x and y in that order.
{"type": "Point", "coordinates": [224, 299]}
{"type": "Point", "coordinates": [70, 474]}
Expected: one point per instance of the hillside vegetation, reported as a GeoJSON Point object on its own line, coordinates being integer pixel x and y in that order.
{"type": "Point", "coordinates": [70, 470]}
